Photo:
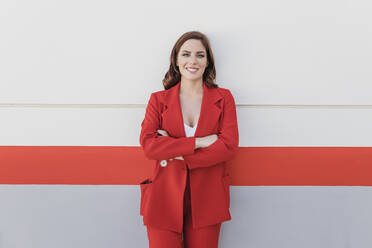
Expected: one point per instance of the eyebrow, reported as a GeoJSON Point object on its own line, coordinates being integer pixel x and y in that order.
{"type": "Point", "coordinates": [190, 52]}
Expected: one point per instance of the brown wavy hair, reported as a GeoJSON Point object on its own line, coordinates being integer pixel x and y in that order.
{"type": "Point", "coordinates": [173, 75]}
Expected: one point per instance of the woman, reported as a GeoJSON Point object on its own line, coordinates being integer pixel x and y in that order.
{"type": "Point", "coordinates": [190, 130]}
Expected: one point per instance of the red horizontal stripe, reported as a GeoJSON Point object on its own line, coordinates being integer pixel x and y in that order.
{"type": "Point", "coordinates": [93, 165]}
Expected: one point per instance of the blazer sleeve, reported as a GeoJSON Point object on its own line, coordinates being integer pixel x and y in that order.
{"type": "Point", "coordinates": [159, 147]}
{"type": "Point", "coordinates": [227, 144]}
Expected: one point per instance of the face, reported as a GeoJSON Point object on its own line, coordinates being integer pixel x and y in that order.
{"type": "Point", "coordinates": [192, 59]}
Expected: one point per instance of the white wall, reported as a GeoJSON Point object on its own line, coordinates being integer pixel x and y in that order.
{"type": "Point", "coordinates": [308, 61]}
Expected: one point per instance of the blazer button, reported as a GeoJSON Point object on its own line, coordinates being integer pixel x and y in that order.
{"type": "Point", "coordinates": [163, 163]}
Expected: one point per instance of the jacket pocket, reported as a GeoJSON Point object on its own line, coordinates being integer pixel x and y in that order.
{"type": "Point", "coordinates": [145, 185]}
{"type": "Point", "coordinates": [226, 184]}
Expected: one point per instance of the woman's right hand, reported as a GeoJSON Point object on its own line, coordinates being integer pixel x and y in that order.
{"type": "Point", "coordinates": [205, 141]}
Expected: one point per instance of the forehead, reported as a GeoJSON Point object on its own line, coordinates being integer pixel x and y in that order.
{"type": "Point", "coordinates": [193, 45]}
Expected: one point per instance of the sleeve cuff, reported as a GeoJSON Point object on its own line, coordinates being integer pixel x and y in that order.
{"type": "Point", "coordinates": [190, 141]}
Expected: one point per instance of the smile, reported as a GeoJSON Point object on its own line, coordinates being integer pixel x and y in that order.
{"type": "Point", "coordinates": [192, 69]}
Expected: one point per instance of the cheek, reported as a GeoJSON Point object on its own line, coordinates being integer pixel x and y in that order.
{"type": "Point", "coordinates": [204, 66]}
{"type": "Point", "coordinates": [181, 61]}
{"type": "Point", "coordinates": [204, 62]}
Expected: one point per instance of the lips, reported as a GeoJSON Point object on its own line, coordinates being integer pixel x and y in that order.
{"type": "Point", "coordinates": [192, 69]}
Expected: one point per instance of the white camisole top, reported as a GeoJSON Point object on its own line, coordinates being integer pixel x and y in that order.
{"type": "Point", "coordinates": [190, 131]}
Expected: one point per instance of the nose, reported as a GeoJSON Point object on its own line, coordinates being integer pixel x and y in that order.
{"type": "Point", "coordinates": [193, 60]}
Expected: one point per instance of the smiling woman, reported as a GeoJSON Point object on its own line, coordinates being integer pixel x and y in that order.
{"type": "Point", "coordinates": [191, 50]}
{"type": "Point", "coordinates": [190, 130]}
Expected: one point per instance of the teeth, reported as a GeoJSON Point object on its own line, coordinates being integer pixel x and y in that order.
{"type": "Point", "coordinates": [189, 69]}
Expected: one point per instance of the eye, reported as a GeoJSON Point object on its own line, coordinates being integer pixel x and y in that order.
{"type": "Point", "coordinates": [200, 55]}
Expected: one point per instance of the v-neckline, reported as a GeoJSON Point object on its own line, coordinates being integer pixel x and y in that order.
{"type": "Point", "coordinates": [190, 126]}
{"type": "Point", "coordinates": [201, 109]}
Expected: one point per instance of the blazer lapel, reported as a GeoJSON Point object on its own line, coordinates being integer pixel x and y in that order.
{"type": "Point", "coordinates": [210, 112]}
{"type": "Point", "coordinates": [172, 115]}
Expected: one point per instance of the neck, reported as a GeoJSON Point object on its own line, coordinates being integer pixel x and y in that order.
{"type": "Point", "coordinates": [190, 87]}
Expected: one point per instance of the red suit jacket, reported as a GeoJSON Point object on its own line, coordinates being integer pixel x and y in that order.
{"type": "Point", "coordinates": [162, 194]}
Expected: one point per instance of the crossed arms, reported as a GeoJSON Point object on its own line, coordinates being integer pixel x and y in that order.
{"type": "Point", "coordinates": [164, 147]}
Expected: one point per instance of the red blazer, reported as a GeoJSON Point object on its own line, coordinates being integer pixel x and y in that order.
{"type": "Point", "coordinates": [162, 194]}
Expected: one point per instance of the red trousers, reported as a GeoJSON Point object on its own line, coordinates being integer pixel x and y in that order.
{"type": "Point", "coordinates": [205, 237]}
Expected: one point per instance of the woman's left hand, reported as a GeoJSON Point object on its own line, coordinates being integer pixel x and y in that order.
{"type": "Point", "coordinates": [179, 157]}
{"type": "Point", "coordinates": [164, 133]}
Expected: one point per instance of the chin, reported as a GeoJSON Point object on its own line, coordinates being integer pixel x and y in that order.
{"type": "Point", "coordinates": [193, 78]}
